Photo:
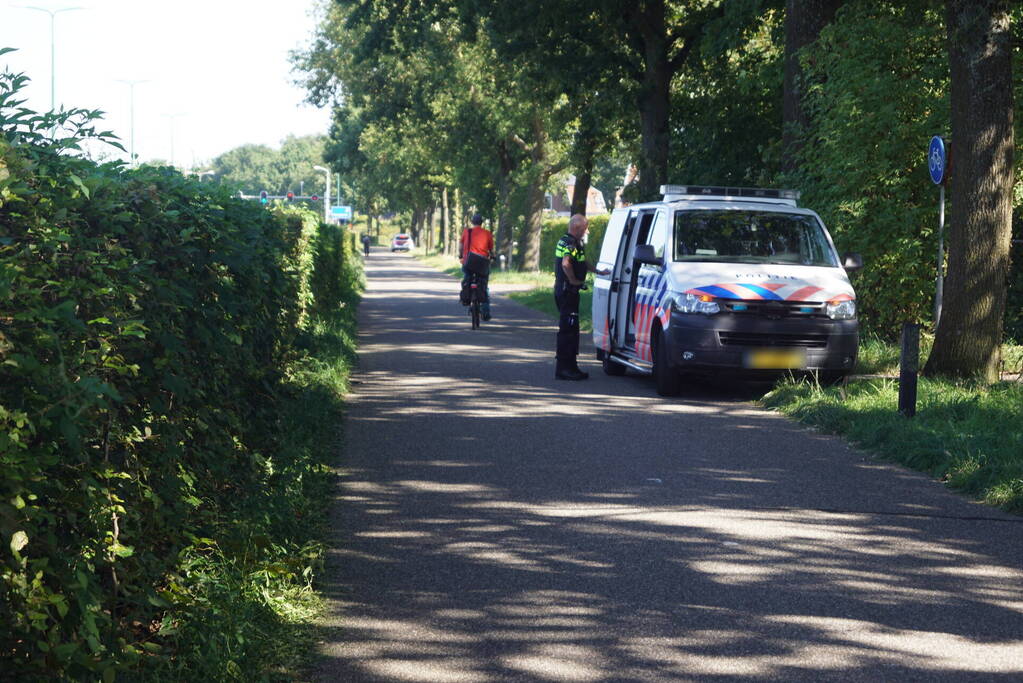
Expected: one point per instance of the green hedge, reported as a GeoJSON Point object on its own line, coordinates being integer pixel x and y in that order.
{"type": "Point", "coordinates": [147, 325]}
{"type": "Point", "coordinates": [554, 228]}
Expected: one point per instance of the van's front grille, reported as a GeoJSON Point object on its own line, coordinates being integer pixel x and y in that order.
{"type": "Point", "coordinates": [773, 340]}
{"type": "Point", "coordinates": [776, 309]}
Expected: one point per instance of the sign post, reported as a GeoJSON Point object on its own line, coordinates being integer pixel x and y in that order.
{"type": "Point", "coordinates": [937, 163]}
{"type": "Point", "coordinates": [341, 213]}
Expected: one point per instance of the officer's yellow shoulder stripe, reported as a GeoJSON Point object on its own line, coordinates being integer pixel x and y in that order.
{"type": "Point", "coordinates": [568, 248]}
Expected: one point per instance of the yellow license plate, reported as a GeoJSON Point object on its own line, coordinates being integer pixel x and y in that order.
{"type": "Point", "coordinates": [776, 359]}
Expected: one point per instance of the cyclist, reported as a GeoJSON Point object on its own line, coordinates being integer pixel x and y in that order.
{"type": "Point", "coordinates": [476, 249]}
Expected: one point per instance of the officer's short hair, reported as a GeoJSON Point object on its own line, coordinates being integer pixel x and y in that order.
{"type": "Point", "coordinates": [576, 220]}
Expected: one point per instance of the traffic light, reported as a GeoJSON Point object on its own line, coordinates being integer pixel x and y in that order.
{"type": "Point", "coordinates": [262, 197]}
{"type": "Point", "coordinates": [291, 196]}
{"type": "Point", "coordinates": [315, 197]}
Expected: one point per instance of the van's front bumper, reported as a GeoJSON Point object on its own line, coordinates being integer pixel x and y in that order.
{"type": "Point", "coordinates": [756, 344]}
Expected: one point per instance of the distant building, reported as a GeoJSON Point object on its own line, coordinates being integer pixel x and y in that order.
{"type": "Point", "coordinates": [631, 176]}
{"type": "Point", "coordinates": [561, 203]}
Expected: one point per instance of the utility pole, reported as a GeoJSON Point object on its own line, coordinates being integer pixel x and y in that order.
{"type": "Point", "coordinates": [53, 50]}
{"type": "Point", "coordinates": [326, 193]}
{"type": "Point", "coordinates": [171, 117]}
{"type": "Point", "coordinates": [131, 94]}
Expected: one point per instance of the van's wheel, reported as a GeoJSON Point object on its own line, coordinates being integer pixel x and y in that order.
{"type": "Point", "coordinates": [612, 368]}
{"type": "Point", "coordinates": [666, 378]}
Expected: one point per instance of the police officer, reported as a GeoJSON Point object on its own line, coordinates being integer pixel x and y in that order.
{"type": "Point", "coordinates": [570, 268]}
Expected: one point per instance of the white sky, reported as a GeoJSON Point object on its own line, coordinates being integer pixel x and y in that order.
{"type": "Point", "coordinates": [217, 71]}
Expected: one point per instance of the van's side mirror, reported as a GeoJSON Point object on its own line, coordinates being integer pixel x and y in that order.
{"type": "Point", "coordinates": [645, 254]}
{"type": "Point", "coordinates": [852, 261]}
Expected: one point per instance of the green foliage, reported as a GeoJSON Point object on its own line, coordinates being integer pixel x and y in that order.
{"type": "Point", "coordinates": [554, 228]}
{"type": "Point", "coordinates": [254, 168]}
{"type": "Point", "coordinates": [156, 359]}
{"type": "Point", "coordinates": [967, 436]}
{"type": "Point", "coordinates": [727, 113]}
{"type": "Point", "coordinates": [878, 92]}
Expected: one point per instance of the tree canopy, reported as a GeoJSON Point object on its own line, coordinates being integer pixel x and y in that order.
{"type": "Point", "coordinates": [254, 168]}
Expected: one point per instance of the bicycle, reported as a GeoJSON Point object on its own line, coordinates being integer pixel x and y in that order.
{"type": "Point", "coordinates": [475, 300]}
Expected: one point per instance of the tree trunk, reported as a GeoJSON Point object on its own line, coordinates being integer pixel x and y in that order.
{"type": "Point", "coordinates": [654, 102]}
{"type": "Point", "coordinates": [458, 220]}
{"type": "Point", "coordinates": [505, 237]}
{"type": "Point", "coordinates": [529, 243]}
{"type": "Point", "coordinates": [968, 340]}
{"type": "Point", "coordinates": [804, 20]}
{"type": "Point", "coordinates": [539, 174]}
{"type": "Point", "coordinates": [445, 222]}
{"type": "Point", "coordinates": [417, 223]}
{"type": "Point", "coordinates": [584, 175]}
{"type": "Point", "coordinates": [429, 225]}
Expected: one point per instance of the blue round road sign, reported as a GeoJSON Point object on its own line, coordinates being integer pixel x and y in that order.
{"type": "Point", "coordinates": [937, 159]}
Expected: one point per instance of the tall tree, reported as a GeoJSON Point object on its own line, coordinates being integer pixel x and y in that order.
{"type": "Point", "coordinates": [968, 339]}
{"type": "Point", "coordinates": [804, 21]}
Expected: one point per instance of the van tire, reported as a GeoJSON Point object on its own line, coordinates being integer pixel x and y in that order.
{"type": "Point", "coordinates": [666, 378]}
{"type": "Point", "coordinates": [612, 368]}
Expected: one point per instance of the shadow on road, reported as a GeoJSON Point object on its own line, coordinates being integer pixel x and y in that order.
{"type": "Point", "coordinates": [493, 524]}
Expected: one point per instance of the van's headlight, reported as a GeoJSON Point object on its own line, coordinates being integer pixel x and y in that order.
{"type": "Point", "coordinates": [841, 310]}
{"type": "Point", "coordinates": [690, 303]}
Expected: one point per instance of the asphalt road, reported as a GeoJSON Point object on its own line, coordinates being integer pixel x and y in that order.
{"type": "Point", "coordinates": [493, 524]}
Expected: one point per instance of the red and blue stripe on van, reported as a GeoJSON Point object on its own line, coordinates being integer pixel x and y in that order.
{"type": "Point", "coordinates": [652, 302]}
{"type": "Point", "coordinates": [767, 291]}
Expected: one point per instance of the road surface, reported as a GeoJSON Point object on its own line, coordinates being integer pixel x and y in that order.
{"type": "Point", "coordinates": [494, 524]}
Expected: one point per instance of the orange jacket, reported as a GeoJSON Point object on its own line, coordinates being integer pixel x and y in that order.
{"type": "Point", "coordinates": [481, 241]}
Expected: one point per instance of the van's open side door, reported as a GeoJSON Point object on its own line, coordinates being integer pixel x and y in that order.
{"type": "Point", "coordinates": [617, 274]}
{"type": "Point", "coordinates": [623, 280]}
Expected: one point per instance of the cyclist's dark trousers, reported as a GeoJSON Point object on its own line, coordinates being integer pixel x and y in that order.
{"type": "Point", "coordinates": [567, 299]}
{"type": "Point", "coordinates": [483, 280]}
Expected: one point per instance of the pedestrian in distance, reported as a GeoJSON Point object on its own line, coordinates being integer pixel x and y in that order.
{"type": "Point", "coordinates": [570, 268]}
{"type": "Point", "coordinates": [365, 243]}
{"type": "Point", "coordinates": [476, 250]}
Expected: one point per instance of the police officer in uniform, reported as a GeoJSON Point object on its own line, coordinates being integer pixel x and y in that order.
{"type": "Point", "coordinates": [570, 268]}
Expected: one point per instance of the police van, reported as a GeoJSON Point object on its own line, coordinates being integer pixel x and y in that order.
{"type": "Point", "coordinates": [721, 279]}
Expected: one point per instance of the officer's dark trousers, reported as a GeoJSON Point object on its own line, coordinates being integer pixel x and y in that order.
{"type": "Point", "coordinates": [567, 299]}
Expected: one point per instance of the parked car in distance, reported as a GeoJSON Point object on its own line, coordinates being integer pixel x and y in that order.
{"type": "Point", "coordinates": [402, 242]}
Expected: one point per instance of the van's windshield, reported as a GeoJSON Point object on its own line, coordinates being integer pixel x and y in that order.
{"type": "Point", "coordinates": [737, 236]}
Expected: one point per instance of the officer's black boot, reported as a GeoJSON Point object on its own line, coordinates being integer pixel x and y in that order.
{"type": "Point", "coordinates": [567, 369]}
{"type": "Point", "coordinates": [585, 375]}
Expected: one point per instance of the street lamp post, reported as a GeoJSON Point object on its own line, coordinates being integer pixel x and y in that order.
{"type": "Point", "coordinates": [326, 193]}
{"type": "Point", "coordinates": [172, 117]}
{"type": "Point", "coordinates": [131, 108]}
{"type": "Point", "coordinates": [53, 50]}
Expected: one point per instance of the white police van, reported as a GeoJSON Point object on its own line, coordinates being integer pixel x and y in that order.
{"type": "Point", "coordinates": [721, 279]}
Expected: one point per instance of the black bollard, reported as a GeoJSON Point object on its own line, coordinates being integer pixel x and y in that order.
{"type": "Point", "coordinates": [909, 364]}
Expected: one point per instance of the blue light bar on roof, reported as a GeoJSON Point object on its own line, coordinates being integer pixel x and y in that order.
{"type": "Point", "coordinates": [714, 191]}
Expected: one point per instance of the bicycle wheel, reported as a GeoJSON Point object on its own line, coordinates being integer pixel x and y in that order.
{"type": "Point", "coordinates": [475, 308]}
